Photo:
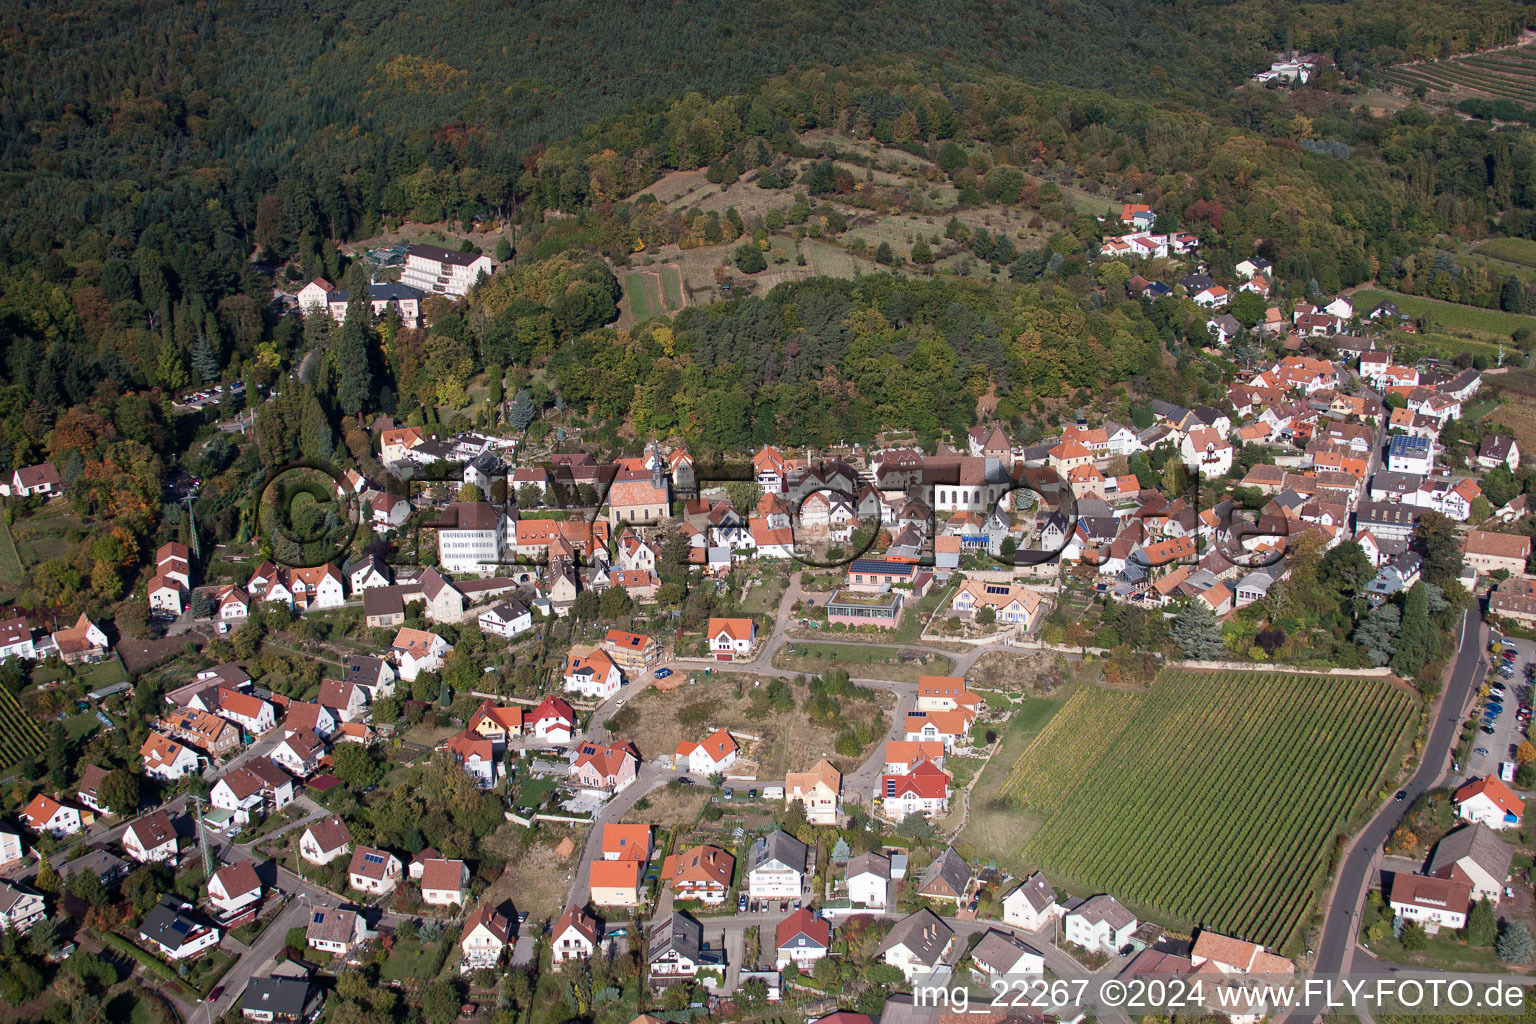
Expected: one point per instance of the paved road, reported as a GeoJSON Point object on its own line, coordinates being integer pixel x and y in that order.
{"type": "Point", "coordinates": [648, 778]}
{"type": "Point", "coordinates": [1335, 950]}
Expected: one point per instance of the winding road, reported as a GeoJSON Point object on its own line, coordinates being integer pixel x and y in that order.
{"type": "Point", "coordinates": [1336, 948]}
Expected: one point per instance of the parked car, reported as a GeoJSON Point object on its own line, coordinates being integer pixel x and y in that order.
{"type": "Point", "coordinates": [741, 903]}
{"type": "Point", "coordinates": [662, 673]}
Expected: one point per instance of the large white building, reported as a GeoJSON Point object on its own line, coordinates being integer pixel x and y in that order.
{"type": "Point", "coordinates": [470, 537]}
{"type": "Point", "coordinates": [439, 271]}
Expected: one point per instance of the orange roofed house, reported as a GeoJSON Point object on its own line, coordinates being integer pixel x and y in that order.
{"type": "Point", "coordinates": [702, 873]}
{"type": "Point", "coordinates": [632, 652]}
{"type": "Point", "coordinates": [615, 883]}
{"type": "Point", "coordinates": [627, 842]}
{"type": "Point", "coordinates": [716, 753]}
{"type": "Point", "coordinates": [731, 639]}
{"type": "Point", "coordinates": [1489, 801]}
{"type": "Point", "coordinates": [819, 790]}
{"type": "Point", "coordinates": [946, 693]}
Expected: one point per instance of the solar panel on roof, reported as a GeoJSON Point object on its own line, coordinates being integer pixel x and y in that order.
{"type": "Point", "coordinates": [373, 858]}
{"type": "Point", "coordinates": [319, 917]}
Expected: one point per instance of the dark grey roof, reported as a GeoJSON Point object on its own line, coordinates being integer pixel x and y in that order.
{"type": "Point", "coordinates": [873, 863]}
{"type": "Point", "coordinates": [1396, 483]}
{"type": "Point", "coordinates": [1101, 908]}
{"type": "Point", "coordinates": [101, 863]}
{"type": "Point", "coordinates": [167, 925]}
{"type": "Point", "coordinates": [1385, 513]}
{"type": "Point", "coordinates": [999, 951]}
{"type": "Point", "coordinates": [284, 997]}
{"type": "Point", "coordinates": [1196, 282]}
{"type": "Point", "coordinates": [780, 846]}
{"type": "Point", "coordinates": [441, 255]}
{"type": "Point", "coordinates": [949, 867]}
{"type": "Point", "coordinates": [1036, 891]}
{"type": "Point", "coordinates": [923, 934]}
{"type": "Point", "coordinates": [680, 932]}
{"type": "Point", "coordinates": [1478, 842]}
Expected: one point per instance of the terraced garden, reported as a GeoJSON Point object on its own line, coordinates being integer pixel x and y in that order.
{"type": "Point", "coordinates": [1212, 798]}
{"type": "Point", "coordinates": [20, 737]}
{"type": "Point", "coordinates": [1501, 74]}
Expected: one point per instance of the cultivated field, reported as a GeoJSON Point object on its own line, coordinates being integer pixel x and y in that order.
{"type": "Point", "coordinates": [1503, 74]}
{"type": "Point", "coordinates": [1521, 251]}
{"type": "Point", "coordinates": [1212, 798]}
{"type": "Point", "coordinates": [1486, 324]}
{"type": "Point", "coordinates": [20, 737]}
{"type": "Point", "coordinates": [651, 292]}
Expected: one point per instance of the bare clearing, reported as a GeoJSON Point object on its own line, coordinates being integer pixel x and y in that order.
{"type": "Point", "coordinates": [536, 878]}
{"type": "Point", "coordinates": [1010, 672]}
{"type": "Point", "coordinates": [787, 740]}
{"type": "Point", "coordinates": [669, 805]}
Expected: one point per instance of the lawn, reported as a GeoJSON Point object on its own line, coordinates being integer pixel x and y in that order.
{"type": "Point", "coordinates": [861, 662]}
{"type": "Point", "coordinates": [410, 958]}
{"type": "Point", "coordinates": [644, 296]}
{"type": "Point", "coordinates": [996, 824]}
{"type": "Point", "coordinates": [1212, 797]}
{"type": "Point", "coordinates": [10, 561]}
{"type": "Point", "coordinates": [1489, 323]}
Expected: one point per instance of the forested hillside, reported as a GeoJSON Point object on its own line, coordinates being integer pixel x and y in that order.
{"type": "Point", "coordinates": [161, 161]}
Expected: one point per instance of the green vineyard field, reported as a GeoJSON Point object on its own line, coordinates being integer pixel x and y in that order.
{"type": "Point", "coordinates": [1502, 74]}
{"type": "Point", "coordinates": [1212, 799]}
{"type": "Point", "coordinates": [20, 738]}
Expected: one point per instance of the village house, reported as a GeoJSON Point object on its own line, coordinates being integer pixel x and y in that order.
{"type": "Point", "coordinates": [177, 935]}
{"type": "Point", "coordinates": [925, 790]}
{"type": "Point", "coordinates": [334, 930]}
{"type": "Point", "coordinates": [1491, 552]}
{"type": "Point", "coordinates": [417, 651]}
{"type": "Point", "coordinates": [802, 938]}
{"type": "Point", "coordinates": [615, 883]}
{"type": "Point", "coordinates": [507, 619]}
{"type": "Point", "coordinates": [1514, 599]}
{"type": "Point", "coordinates": [702, 873]}
{"type": "Point", "coordinates": [151, 839]}
{"type": "Point", "coordinates": [443, 882]}
{"type": "Point", "coordinates": [819, 790]}
{"type": "Point", "coordinates": [1489, 802]}
{"type": "Point", "coordinates": [165, 759]}
{"type": "Point", "coordinates": [252, 791]}
{"type": "Point", "coordinates": [42, 479]}
{"type": "Point", "coordinates": [776, 866]}
{"type": "Point", "coordinates": [497, 723]}
{"type": "Point", "coordinates": [373, 871]}
{"type": "Point", "coordinates": [593, 674]}
{"type": "Point", "coordinates": [486, 937]}
{"type": "Point", "coordinates": [553, 720]}
{"type": "Point", "coordinates": [1236, 956]}
{"type": "Point", "coordinates": [917, 944]}
{"type": "Point", "coordinates": [20, 908]}
{"type": "Point", "coordinates": [1031, 904]}
{"type": "Point", "coordinates": [1498, 451]}
{"type": "Point", "coordinates": [731, 639]}
{"type": "Point", "coordinates": [299, 752]}
{"type": "Point", "coordinates": [1000, 955]}
{"type": "Point", "coordinates": [475, 754]}
{"type": "Point", "coordinates": [1099, 923]}
{"type": "Point", "coordinates": [607, 768]}
{"type": "Point", "coordinates": [281, 999]}
{"type": "Point", "coordinates": [947, 878]}
{"type": "Point", "coordinates": [869, 880]}
{"type": "Point", "coordinates": [234, 887]}
{"type": "Point", "coordinates": [716, 753]}
{"type": "Point", "coordinates": [325, 840]}
{"type": "Point", "coordinates": [574, 936]}
{"type": "Point", "coordinates": [1474, 854]}
{"type": "Point", "coordinates": [1434, 903]}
